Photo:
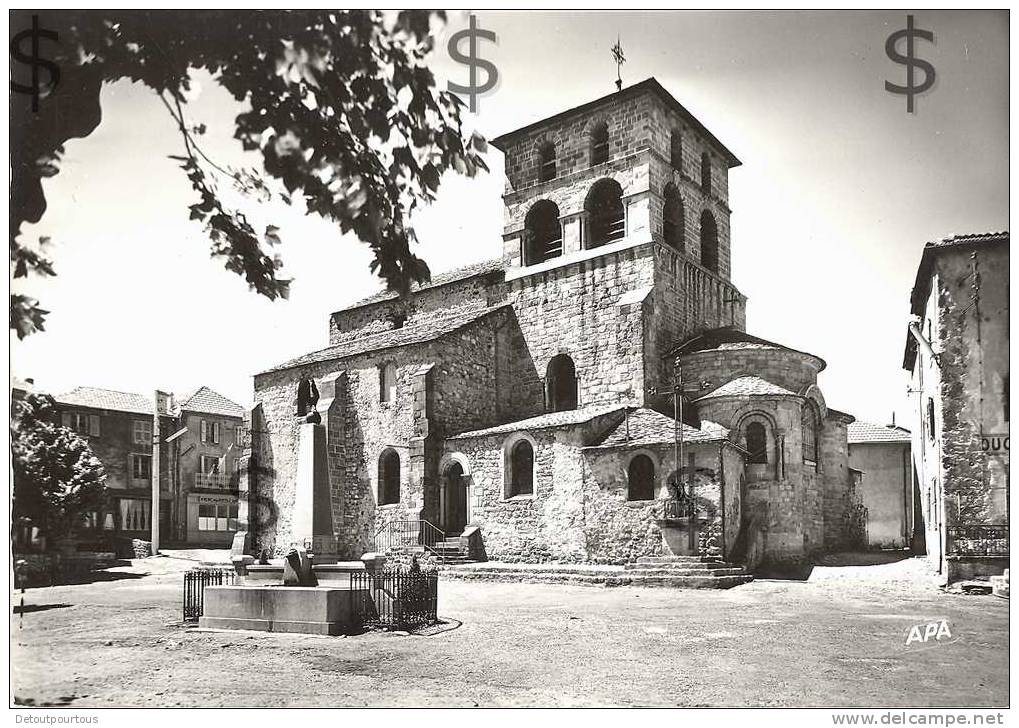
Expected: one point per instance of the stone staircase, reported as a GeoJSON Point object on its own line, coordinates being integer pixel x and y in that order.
{"type": "Point", "coordinates": [448, 552]}
{"type": "Point", "coordinates": [451, 551]}
{"type": "Point", "coordinates": [691, 572]}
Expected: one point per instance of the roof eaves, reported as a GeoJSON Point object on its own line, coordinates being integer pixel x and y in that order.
{"type": "Point", "coordinates": [648, 84]}
{"type": "Point", "coordinates": [440, 333]}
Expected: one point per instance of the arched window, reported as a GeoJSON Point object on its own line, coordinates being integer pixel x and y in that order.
{"type": "Point", "coordinates": [706, 173]}
{"type": "Point", "coordinates": [709, 242]}
{"type": "Point", "coordinates": [521, 469]}
{"type": "Point", "coordinates": [640, 477]}
{"type": "Point", "coordinates": [546, 162]}
{"type": "Point", "coordinates": [561, 384]}
{"type": "Point", "coordinates": [543, 233]}
{"type": "Point", "coordinates": [606, 218]}
{"type": "Point", "coordinates": [599, 144]}
{"type": "Point", "coordinates": [389, 478]}
{"type": "Point", "coordinates": [387, 382]}
{"type": "Point", "coordinates": [757, 443]}
{"type": "Point", "coordinates": [672, 220]}
{"type": "Point", "coordinates": [676, 150]}
{"type": "Point", "coordinates": [808, 421]}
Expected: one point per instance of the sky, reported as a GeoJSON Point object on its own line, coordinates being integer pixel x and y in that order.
{"type": "Point", "coordinates": [839, 189]}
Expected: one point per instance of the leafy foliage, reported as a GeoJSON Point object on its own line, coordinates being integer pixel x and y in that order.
{"type": "Point", "coordinates": [57, 477]}
{"type": "Point", "coordinates": [339, 103]}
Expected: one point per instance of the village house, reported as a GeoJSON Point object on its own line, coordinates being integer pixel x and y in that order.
{"type": "Point", "coordinates": [957, 355]}
{"type": "Point", "coordinates": [523, 408]}
{"type": "Point", "coordinates": [881, 453]}
{"type": "Point", "coordinates": [200, 439]}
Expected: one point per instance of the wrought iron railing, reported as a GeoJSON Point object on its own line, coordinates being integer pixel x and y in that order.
{"type": "Point", "coordinates": [396, 599]}
{"type": "Point", "coordinates": [408, 533]}
{"type": "Point", "coordinates": [675, 508]}
{"type": "Point", "coordinates": [979, 540]}
{"type": "Point", "coordinates": [195, 581]}
{"type": "Point", "coordinates": [215, 480]}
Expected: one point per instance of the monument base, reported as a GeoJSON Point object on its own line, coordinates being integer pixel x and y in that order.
{"type": "Point", "coordinates": [304, 609]}
{"type": "Point", "coordinates": [676, 537]}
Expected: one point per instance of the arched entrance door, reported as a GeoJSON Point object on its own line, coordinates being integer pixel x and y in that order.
{"type": "Point", "coordinates": [454, 502]}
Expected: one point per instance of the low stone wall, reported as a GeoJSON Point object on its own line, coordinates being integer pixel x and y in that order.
{"type": "Point", "coordinates": [52, 568]}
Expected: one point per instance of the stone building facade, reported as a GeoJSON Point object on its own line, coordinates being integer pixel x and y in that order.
{"type": "Point", "coordinates": [528, 400]}
{"type": "Point", "coordinates": [958, 358]}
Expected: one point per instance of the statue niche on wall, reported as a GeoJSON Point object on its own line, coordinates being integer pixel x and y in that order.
{"type": "Point", "coordinates": [307, 401]}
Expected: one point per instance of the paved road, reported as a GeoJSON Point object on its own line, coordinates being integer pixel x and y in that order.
{"type": "Point", "coordinates": [837, 638]}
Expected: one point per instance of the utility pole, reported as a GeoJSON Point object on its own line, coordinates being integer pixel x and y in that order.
{"type": "Point", "coordinates": [161, 401]}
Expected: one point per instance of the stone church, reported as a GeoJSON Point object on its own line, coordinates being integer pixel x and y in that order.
{"type": "Point", "coordinates": [525, 408]}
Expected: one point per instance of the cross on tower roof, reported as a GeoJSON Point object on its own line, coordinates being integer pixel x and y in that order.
{"type": "Point", "coordinates": [620, 59]}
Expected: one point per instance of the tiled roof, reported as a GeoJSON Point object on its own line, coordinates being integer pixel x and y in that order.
{"type": "Point", "coordinates": [207, 401]}
{"type": "Point", "coordinates": [457, 274]}
{"type": "Point", "coordinates": [648, 427]}
{"type": "Point", "coordinates": [969, 239]}
{"type": "Point", "coordinates": [107, 399]}
{"type": "Point", "coordinates": [727, 338]}
{"type": "Point", "coordinates": [859, 432]}
{"type": "Point", "coordinates": [542, 422]}
{"type": "Point", "coordinates": [746, 387]}
{"type": "Point", "coordinates": [425, 329]}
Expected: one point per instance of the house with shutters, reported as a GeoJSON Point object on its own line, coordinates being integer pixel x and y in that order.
{"type": "Point", "coordinates": [199, 439]}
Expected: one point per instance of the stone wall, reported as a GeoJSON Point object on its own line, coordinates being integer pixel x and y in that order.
{"type": "Point", "coordinates": [973, 339]}
{"type": "Point", "coordinates": [575, 310]}
{"type": "Point", "coordinates": [461, 373]}
{"type": "Point", "coordinates": [802, 508]}
{"type": "Point", "coordinates": [788, 369]}
{"type": "Point", "coordinates": [964, 485]}
{"type": "Point", "coordinates": [571, 135]}
{"type": "Point", "coordinates": [580, 511]}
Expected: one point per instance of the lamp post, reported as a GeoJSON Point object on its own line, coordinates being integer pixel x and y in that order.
{"type": "Point", "coordinates": [677, 391]}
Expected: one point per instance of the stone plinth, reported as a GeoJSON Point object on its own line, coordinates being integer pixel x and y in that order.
{"type": "Point", "coordinates": [333, 574]}
{"type": "Point", "coordinates": [676, 539]}
{"type": "Point", "coordinates": [303, 609]}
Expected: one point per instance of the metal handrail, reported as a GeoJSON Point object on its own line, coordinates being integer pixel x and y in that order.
{"type": "Point", "coordinates": [409, 532]}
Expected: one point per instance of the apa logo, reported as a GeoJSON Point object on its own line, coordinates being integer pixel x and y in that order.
{"type": "Point", "coordinates": [924, 632]}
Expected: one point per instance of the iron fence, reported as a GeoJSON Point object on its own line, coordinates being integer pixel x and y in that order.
{"type": "Point", "coordinates": [393, 598]}
{"type": "Point", "coordinates": [195, 581]}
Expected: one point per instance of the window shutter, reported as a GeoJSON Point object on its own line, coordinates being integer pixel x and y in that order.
{"type": "Point", "coordinates": [215, 432]}
{"type": "Point", "coordinates": [205, 427]}
{"type": "Point", "coordinates": [93, 425]}
{"type": "Point", "coordinates": [65, 419]}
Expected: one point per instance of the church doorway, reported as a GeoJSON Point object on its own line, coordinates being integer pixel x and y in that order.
{"type": "Point", "coordinates": [454, 500]}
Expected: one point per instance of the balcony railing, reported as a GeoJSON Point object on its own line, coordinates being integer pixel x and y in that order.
{"type": "Point", "coordinates": [215, 480]}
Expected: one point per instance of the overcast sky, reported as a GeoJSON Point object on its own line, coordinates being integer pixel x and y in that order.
{"type": "Point", "coordinates": [838, 192]}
